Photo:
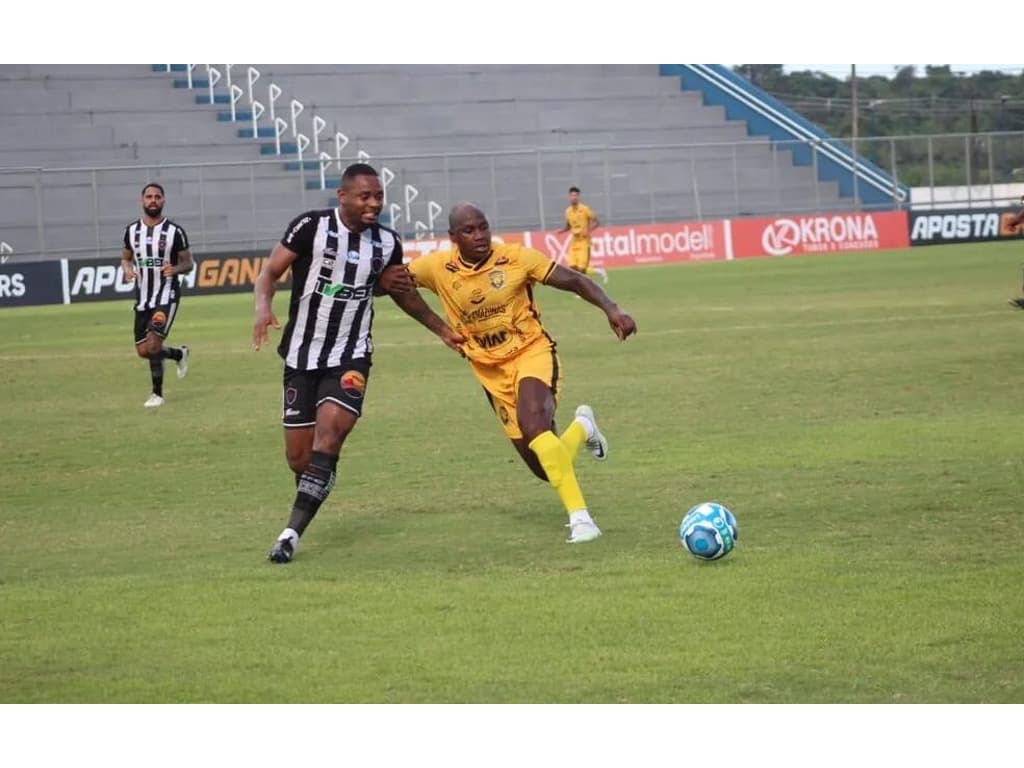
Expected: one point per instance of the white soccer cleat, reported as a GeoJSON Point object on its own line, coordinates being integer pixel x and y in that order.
{"type": "Point", "coordinates": [585, 530]}
{"type": "Point", "coordinates": [155, 401]}
{"type": "Point", "coordinates": [597, 445]}
{"type": "Point", "coordinates": [183, 363]}
{"type": "Point", "coordinates": [603, 274]}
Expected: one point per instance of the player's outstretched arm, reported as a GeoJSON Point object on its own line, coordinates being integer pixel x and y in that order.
{"type": "Point", "coordinates": [412, 303]}
{"type": "Point", "coordinates": [281, 258]}
{"type": "Point", "coordinates": [394, 279]}
{"type": "Point", "coordinates": [622, 324]}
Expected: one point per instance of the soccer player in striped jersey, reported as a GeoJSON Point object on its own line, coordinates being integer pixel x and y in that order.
{"type": "Point", "coordinates": [340, 258]}
{"type": "Point", "coordinates": [487, 293]}
{"type": "Point", "coordinates": [155, 252]}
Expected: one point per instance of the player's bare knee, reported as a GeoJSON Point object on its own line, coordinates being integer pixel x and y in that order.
{"type": "Point", "coordinates": [297, 463]}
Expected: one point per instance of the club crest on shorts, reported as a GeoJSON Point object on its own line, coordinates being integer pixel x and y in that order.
{"type": "Point", "coordinates": [291, 395]}
{"type": "Point", "coordinates": [158, 318]}
{"type": "Point", "coordinates": [503, 414]}
{"type": "Point", "coordinates": [353, 384]}
{"type": "Point", "coordinates": [497, 278]}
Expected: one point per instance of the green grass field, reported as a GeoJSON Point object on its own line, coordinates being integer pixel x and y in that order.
{"type": "Point", "coordinates": [860, 414]}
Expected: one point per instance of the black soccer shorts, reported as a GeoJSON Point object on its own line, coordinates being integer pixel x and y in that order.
{"type": "Point", "coordinates": [158, 320]}
{"type": "Point", "coordinates": [304, 391]}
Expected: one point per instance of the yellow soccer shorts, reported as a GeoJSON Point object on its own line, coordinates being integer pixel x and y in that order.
{"type": "Point", "coordinates": [579, 254]}
{"type": "Point", "coordinates": [501, 382]}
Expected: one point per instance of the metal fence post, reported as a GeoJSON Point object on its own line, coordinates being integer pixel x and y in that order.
{"type": "Point", "coordinates": [607, 185]}
{"type": "Point", "coordinates": [892, 164]}
{"type": "Point", "coordinates": [696, 189]}
{"type": "Point", "coordinates": [931, 172]}
{"type": "Point", "coordinates": [967, 166]}
{"type": "Point", "coordinates": [735, 178]}
{"type": "Point", "coordinates": [96, 212]}
{"type": "Point", "coordinates": [40, 236]}
{"type": "Point", "coordinates": [202, 206]}
{"type": "Point", "coordinates": [252, 201]}
{"type": "Point", "coordinates": [817, 179]}
{"type": "Point", "coordinates": [540, 189]}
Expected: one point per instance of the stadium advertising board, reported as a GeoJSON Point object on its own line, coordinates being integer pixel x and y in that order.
{"type": "Point", "coordinates": [819, 233]}
{"type": "Point", "coordinates": [641, 244]}
{"type": "Point", "coordinates": [615, 246]}
{"type": "Point", "coordinates": [103, 279]}
{"type": "Point", "coordinates": [961, 225]}
{"type": "Point", "coordinates": [32, 283]}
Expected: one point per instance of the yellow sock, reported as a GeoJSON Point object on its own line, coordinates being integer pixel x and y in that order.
{"type": "Point", "coordinates": [557, 463]}
{"type": "Point", "coordinates": [573, 438]}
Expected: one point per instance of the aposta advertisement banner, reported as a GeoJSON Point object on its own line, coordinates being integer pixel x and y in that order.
{"type": "Point", "coordinates": [819, 233]}
{"type": "Point", "coordinates": [616, 246]}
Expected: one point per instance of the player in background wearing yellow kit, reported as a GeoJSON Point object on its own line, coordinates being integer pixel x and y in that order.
{"type": "Point", "coordinates": [487, 295]}
{"type": "Point", "coordinates": [581, 221]}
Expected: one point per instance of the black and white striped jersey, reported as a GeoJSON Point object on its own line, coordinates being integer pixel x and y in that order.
{"type": "Point", "coordinates": [330, 315]}
{"type": "Point", "coordinates": [151, 248]}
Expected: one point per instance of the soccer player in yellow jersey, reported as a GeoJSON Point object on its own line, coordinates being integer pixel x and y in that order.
{"type": "Point", "coordinates": [487, 294]}
{"type": "Point", "coordinates": [581, 221]}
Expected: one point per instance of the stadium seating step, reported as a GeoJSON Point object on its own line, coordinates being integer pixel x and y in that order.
{"type": "Point", "coordinates": [196, 83]}
{"type": "Point", "coordinates": [218, 98]}
{"type": "Point", "coordinates": [240, 114]}
{"type": "Point", "coordinates": [307, 165]}
{"type": "Point", "coordinates": [174, 67]}
{"type": "Point", "coordinates": [262, 132]}
{"type": "Point", "coordinates": [287, 148]}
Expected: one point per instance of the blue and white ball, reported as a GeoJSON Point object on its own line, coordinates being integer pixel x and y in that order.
{"type": "Point", "coordinates": [709, 531]}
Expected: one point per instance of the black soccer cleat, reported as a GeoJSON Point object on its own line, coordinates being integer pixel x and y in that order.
{"type": "Point", "coordinates": [281, 552]}
{"type": "Point", "coordinates": [1019, 303]}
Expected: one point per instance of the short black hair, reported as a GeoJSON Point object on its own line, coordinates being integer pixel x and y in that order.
{"type": "Point", "coordinates": [574, 189]}
{"type": "Point", "coordinates": [154, 184]}
{"type": "Point", "coordinates": [357, 169]}
{"type": "Point", "coordinates": [458, 208]}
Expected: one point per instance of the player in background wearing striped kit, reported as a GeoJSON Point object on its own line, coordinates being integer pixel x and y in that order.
{"type": "Point", "coordinates": [155, 252]}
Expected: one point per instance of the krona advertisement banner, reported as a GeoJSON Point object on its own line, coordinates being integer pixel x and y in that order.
{"type": "Point", "coordinates": [819, 233]}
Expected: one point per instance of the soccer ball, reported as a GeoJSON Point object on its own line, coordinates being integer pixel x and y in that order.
{"type": "Point", "coordinates": [708, 531]}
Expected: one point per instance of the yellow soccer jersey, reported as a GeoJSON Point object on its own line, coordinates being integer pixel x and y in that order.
{"type": "Point", "coordinates": [578, 220]}
{"type": "Point", "coordinates": [490, 303]}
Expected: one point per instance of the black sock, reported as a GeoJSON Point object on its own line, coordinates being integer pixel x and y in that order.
{"type": "Point", "coordinates": [313, 487]}
{"type": "Point", "coordinates": [173, 353]}
{"type": "Point", "coordinates": [156, 372]}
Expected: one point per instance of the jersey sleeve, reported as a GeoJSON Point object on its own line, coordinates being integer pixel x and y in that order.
{"type": "Point", "coordinates": [298, 237]}
{"type": "Point", "coordinates": [397, 258]}
{"type": "Point", "coordinates": [536, 265]}
{"type": "Point", "coordinates": [180, 240]}
{"type": "Point", "coordinates": [125, 241]}
{"type": "Point", "coordinates": [422, 269]}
